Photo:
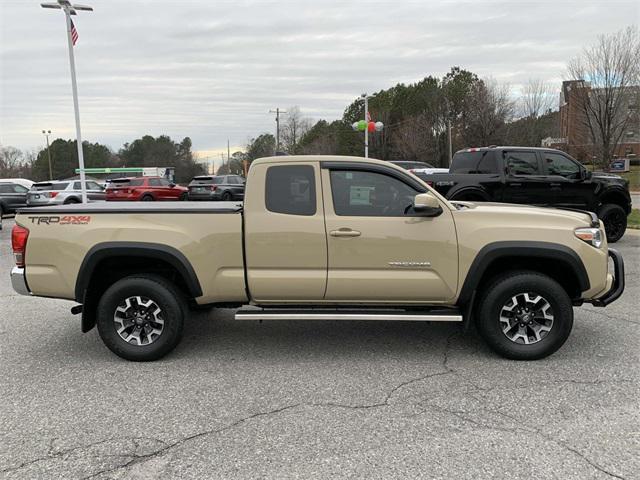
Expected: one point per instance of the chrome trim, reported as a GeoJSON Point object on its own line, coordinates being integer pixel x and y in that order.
{"type": "Point", "coordinates": [19, 281]}
{"type": "Point", "coordinates": [425, 317]}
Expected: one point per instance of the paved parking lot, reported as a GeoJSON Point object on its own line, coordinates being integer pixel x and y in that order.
{"type": "Point", "coordinates": [317, 399]}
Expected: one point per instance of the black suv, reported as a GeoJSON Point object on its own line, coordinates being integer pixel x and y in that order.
{"type": "Point", "coordinates": [535, 176]}
{"type": "Point", "coordinates": [218, 187]}
{"type": "Point", "coordinates": [12, 196]}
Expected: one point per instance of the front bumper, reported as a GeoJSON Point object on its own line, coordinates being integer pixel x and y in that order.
{"type": "Point", "coordinates": [618, 281]}
{"type": "Point", "coordinates": [19, 281]}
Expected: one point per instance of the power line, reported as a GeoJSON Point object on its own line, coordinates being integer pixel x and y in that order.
{"type": "Point", "coordinates": [277, 111]}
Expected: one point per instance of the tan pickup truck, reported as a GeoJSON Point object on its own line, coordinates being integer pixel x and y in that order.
{"type": "Point", "coordinates": [335, 238]}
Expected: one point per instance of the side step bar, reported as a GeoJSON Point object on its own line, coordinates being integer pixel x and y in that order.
{"type": "Point", "coordinates": [439, 315]}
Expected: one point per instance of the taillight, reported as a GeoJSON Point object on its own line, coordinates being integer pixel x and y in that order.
{"type": "Point", "coordinates": [53, 194]}
{"type": "Point", "coordinates": [213, 188]}
{"type": "Point", "coordinates": [19, 236]}
{"type": "Point", "coordinates": [430, 183]}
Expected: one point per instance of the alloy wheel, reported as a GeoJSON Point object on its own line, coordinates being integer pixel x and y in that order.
{"type": "Point", "coordinates": [139, 320]}
{"type": "Point", "coordinates": [526, 318]}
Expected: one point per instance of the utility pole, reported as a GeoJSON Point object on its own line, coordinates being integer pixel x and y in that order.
{"type": "Point", "coordinates": [366, 130]}
{"type": "Point", "coordinates": [277, 111]}
{"type": "Point", "coordinates": [228, 157]}
{"type": "Point", "coordinates": [46, 133]}
{"type": "Point", "coordinates": [449, 133]}
{"type": "Point", "coordinates": [70, 9]}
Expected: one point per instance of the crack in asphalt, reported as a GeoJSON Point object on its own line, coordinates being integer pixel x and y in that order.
{"type": "Point", "coordinates": [611, 317]}
{"type": "Point", "coordinates": [464, 415]}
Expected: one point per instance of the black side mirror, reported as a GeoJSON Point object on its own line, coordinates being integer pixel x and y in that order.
{"type": "Point", "coordinates": [171, 185]}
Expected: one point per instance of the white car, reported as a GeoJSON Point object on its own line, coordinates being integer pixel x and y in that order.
{"type": "Point", "coordinates": [419, 167]}
{"type": "Point", "coordinates": [20, 181]}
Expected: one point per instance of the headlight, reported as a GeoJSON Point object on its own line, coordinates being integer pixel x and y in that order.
{"type": "Point", "coordinates": [590, 235]}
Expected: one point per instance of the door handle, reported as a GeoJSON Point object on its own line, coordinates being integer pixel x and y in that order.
{"type": "Point", "coordinates": [555, 184]}
{"type": "Point", "coordinates": [515, 184]}
{"type": "Point", "coordinates": [344, 232]}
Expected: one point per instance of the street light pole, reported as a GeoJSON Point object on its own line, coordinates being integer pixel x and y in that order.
{"type": "Point", "coordinates": [46, 133]}
{"type": "Point", "coordinates": [366, 130]}
{"type": "Point", "coordinates": [69, 10]}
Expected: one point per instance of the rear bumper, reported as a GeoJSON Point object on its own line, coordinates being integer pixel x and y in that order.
{"type": "Point", "coordinates": [19, 281]}
{"type": "Point", "coordinates": [618, 281]}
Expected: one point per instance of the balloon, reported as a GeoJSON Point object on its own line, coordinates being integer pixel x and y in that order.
{"type": "Point", "coordinates": [379, 126]}
{"type": "Point", "coordinates": [362, 125]}
{"type": "Point", "coordinates": [354, 125]}
{"type": "Point", "coordinates": [371, 126]}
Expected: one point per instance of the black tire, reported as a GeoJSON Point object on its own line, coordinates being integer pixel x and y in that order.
{"type": "Point", "coordinates": [499, 294]}
{"type": "Point", "coordinates": [226, 196]}
{"type": "Point", "coordinates": [157, 289]}
{"type": "Point", "coordinates": [70, 201]}
{"type": "Point", "coordinates": [615, 221]}
{"type": "Point", "coordinates": [147, 198]}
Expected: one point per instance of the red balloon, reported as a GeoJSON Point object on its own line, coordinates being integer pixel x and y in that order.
{"type": "Point", "coordinates": [371, 126]}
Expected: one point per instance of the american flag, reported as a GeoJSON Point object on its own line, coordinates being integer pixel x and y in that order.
{"type": "Point", "coordinates": [74, 33]}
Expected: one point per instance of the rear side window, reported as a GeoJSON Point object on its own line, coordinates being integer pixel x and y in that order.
{"type": "Point", "coordinates": [483, 161]}
{"type": "Point", "coordinates": [154, 182]}
{"type": "Point", "coordinates": [136, 183]}
{"type": "Point", "coordinates": [49, 186]}
{"type": "Point", "coordinates": [522, 163]}
{"type": "Point", "coordinates": [291, 189]}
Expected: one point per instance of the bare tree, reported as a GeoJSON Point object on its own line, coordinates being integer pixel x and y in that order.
{"type": "Point", "coordinates": [293, 129]}
{"type": "Point", "coordinates": [488, 109]}
{"type": "Point", "coordinates": [610, 72]}
{"type": "Point", "coordinates": [10, 161]}
{"type": "Point", "coordinates": [538, 97]}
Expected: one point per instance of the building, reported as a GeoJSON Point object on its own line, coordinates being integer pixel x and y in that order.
{"type": "Point", "coordinates": [575, 134]}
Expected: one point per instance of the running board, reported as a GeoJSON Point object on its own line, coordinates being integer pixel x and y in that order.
{"type": "Point", "coordinates": [439, 315]}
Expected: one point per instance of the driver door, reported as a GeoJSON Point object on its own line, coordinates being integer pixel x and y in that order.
{"type": "Point", "coordinates": [379, 249]}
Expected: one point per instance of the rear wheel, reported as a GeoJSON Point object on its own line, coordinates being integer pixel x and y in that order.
{"type": "Point", "coordinates": [140, 318]}
{"type": "Point", "coordinates": [70, 201]}
{"type": "Point", "coordinates": [525, 315]}
{"type": "Point", "coordinates": [615, 221]}
{"type": "Point", "coordinates": [226, 197]}
{"type": "Point", "coordinates": [147, 198]}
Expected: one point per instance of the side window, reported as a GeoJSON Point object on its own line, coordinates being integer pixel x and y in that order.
{"type": "Point", "coordinates": [560, 165]}
{"type": "Point", "coordinates": [154, 182]}
{"type": "Point", "coordinates": [20, 188]}
{"type": "Point", "coordinates": [77, 186]}
{"type": "Point", "coordinates": [369, 194]}
{"type": "Point", "coordinates": [522, 163]}
{"type": "Point", "coordinates": [6, 188]}
{"type": "Point", "coordinates": [232, 180]}
{"type": "Point", "coordinates": [164, 182]}
{"type": "Point", "coordinates": [93, 186]}
{"type": "Point", "coordinates": [136, 183]}
{"type": "Point", "coordinates": [291, 190]}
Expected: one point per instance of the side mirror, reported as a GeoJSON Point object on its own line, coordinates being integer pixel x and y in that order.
{"type": "Point", "coordinates": [586, 174]}
{"type": "Point", "coordinates": [171, 185]}
{"type": "Point", "coordinates": [426, 205]}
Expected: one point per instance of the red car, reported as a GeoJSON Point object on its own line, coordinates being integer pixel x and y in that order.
{"type": "Point", "coordinates": [145, 189]}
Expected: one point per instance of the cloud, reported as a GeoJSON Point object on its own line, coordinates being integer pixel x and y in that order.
{"type": "Point", "coordinates": [212, 70]}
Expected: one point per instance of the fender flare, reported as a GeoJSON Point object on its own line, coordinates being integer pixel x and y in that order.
{"type": "Point", "coordinates": [531, 249]}
{"type": "Point", "coordinates": [104, 250]}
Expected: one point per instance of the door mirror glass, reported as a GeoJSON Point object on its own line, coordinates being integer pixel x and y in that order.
{"type": "Point", "coordinates": [426, 204]}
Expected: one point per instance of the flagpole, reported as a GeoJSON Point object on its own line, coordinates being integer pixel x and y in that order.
{"type": "Point", "coordinates": [366, 130]}
{"type": "Point", "coordinates": [74, 88]}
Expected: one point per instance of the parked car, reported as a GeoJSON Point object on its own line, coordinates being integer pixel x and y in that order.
{"type": "Point", "coordinates": [62, 193]}
{"type": "Point", "coordinates": [320, 238]}
{"type": "Point", "coordinates": [13, 195]}
{"type": "Point", "coordinates": [218, 187]}
{"type": "Point", "coordinates": [145, 189]}
{"type": "Point", "coordinates": [20, 181]}
{"type": "Point", "coordinates": [422, 167]}
{"type": "Point", "coordinates": [535, 176]}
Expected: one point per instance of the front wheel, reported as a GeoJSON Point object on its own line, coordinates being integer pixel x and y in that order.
{"type": "Point", "coordinates": [525, 315]}
{"type": "Point", "coordinates": [140, 317]}
{"type": "Point", "coordinates": [615, 221]}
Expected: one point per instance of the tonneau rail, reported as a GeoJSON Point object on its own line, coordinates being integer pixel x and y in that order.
{"type": "Point", "coordinates": [135, 207]}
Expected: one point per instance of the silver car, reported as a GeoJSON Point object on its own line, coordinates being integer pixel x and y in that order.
{"type": "Point", "coordinates": [62, 193]}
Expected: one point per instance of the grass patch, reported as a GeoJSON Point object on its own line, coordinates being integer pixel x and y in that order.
{"type": "Point", "coordinates": [634, 178]}
{"type": "Point", "coordinates": [633, 220]}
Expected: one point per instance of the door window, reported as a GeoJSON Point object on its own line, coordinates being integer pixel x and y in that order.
{"type": "Point", "coordinates": [291, 189]}
{"type": "Point", "coordinates": [370, 194]}
{"type": "Point", "coordinates": [560, 165]}
{"type": "Point", "coordinates": [522, 163]}
{"type": "Point", "coordinates": [154, 182]}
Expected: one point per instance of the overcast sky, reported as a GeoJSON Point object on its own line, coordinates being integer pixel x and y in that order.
{"type": "Point", "coordinates": [212, 69]}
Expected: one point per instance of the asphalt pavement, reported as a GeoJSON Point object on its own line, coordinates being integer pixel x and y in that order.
{"type": "Point", "coordinates": [317, 400]}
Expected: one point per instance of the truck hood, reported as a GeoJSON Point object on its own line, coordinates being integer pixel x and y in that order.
{"type": "Point", "coordinates": [575, 217]}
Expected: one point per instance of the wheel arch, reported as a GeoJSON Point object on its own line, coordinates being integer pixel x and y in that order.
{"type": "Point", "coordinates": [464, 191]}
{"type": "Point", "coordinates": [555, 260]}
{"type": "Point", "coordinates": [617, 197]}
{"type": "Point", "coordinates": [107, 262]}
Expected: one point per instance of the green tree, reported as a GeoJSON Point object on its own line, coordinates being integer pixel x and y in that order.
{"type": "Point", "coordinates": [262, 146]}
{"type": "Point", "coordinates": [64, 159]}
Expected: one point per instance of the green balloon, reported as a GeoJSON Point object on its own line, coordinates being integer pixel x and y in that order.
{"type": "Point", "coordinates": [362, 125]}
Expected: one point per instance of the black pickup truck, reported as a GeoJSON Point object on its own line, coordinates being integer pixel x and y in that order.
{"type": "Point", "coordinates": [535, 176]}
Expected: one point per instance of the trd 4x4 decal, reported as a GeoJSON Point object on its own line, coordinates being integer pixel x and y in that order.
{"type": "Point", "coordinates": [64, 220]}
